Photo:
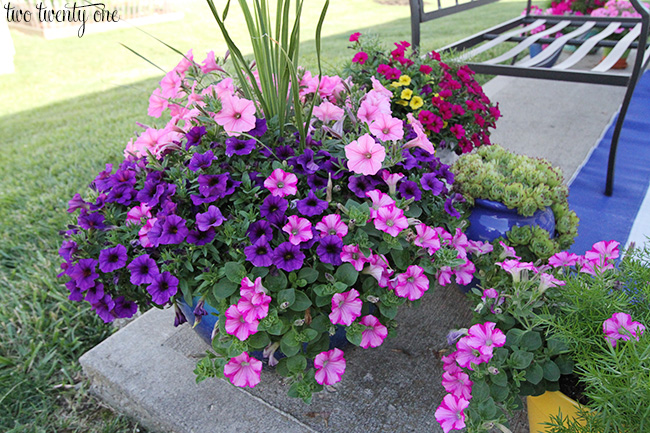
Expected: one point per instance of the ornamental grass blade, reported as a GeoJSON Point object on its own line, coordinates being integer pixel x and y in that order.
{"type": "Point", "coordinates": [143, 57]}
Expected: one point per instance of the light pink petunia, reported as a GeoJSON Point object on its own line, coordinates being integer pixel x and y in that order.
{"type": "Point", "coordinates": [281, 183]}
{"type": "Point", "coordinates": [468, 356]}
{"type": "Point", "coordinates": [371, 109]}
{"type": "Point", "coordinates": [170, 85]}
{"type": "Point", "coordinates": [391, 219]}
{"type": "Point", "coordinates": [444, 275]}
{"type": "Point", "coordinates": [365, 155]}
{"type": "Point", "coordinates": [377, 267]}
{"type": "Point", "coordinates": [346, 307]}
{"type": "Point", "coordinates": [243, 371]}
{"type": "Point", "coordinates": [299, 230]}
{"type": "Point", "coordinates": [237, 115]}
{"type": "Point", "coordinates": [508, 252]}
{"type": "Point", "coordinates": [427, 238]}
{"type": "Point", "coordinates": [185, 63]}
{"type": "Point", "coordinates": [375, 334]}
{"type": "Point", "coordinates": [458, 384]}
{"type": "Point", "coordinates": [330, 367]}
{"type": "Point", "coordinates": [563, 258]}
{"type": "Point", "coordinates": [379, 88]}
{"type": "Point", "coordinates": [548, 280]}
{"type": "Point", "coordinates": [254, 302]}
{"type": "Point", "coordinates": [387, 128]}
{"type": "Point", "coordinates": [411, 284]}
{"type": "Point", "coordinates": [479, 248]}
{"type": "Point", "coordinates": [210, 64]}
{"type": "Point", "coordinates": [484, 337]}
{"type": "Point", "coordinates": [135, 215]}
{"type": "Point", "coordinates": [621, 327]}
{"type": "Point", "coordinates": [515, 267]}
{"type": "Point", "coordinates": [157, 104]}
{"type": "Point", "coordinates": [465, 273]}
{"type": "Point", "coordinates": [352, 254]}
{"type": "Point", "coordinates": [379, 200]}
{"type": "Point", "coordinates": [391, 179]}
{"type": "Point", "coordinates": [331, 225]}
{"type": "Point", "coordinates": [143, 234]}
{"type": "Point", "coordinates": [237, 325]}
{"type": "Point", "coordinates": [421, 140]}
{"type": "Point", "coordinates": [327, 112]}
{"type": "Point", "coordinates": [450, 413]}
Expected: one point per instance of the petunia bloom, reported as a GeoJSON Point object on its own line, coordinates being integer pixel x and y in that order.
{"type": "Point", "coordinates": [365, 155]}
{"type": "Point", "coordinates": [332, 225]}
{"type": "Point", "coordinates": [237, 325]}
{"type": "Point", "coordinates": [281, 183]}
{"type": "Point", "coordinates": [299, 229]}
{"type": "Point", "coordinates": [387, 128]}
{"type": "Point", "coordinates": [391, 219]}
{"type": "Point", "coordinates": [330, 367]}
{"type": "Point", "coordinates": [450, 413]}
{"type": "Point", "coordinates": [163, 287]}
{"type": "Point", "coordinates": [243, 371]}
{"type": "Point", "coordinates": [346, 307]}
{"type": "Point", "coordinates": [411, 284]}
{"type": "Point", "coordinates": [236, 115]}
{"type": "Point", "coordinates": [375, 334]}
{"type": "Point", "coordinates": [621, 327]}
{"type": "Point", "coordinates": [111, 259]}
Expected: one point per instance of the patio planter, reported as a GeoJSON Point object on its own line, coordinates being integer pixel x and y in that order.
{"type": "Point", "coordinates": [490, 220]}
{"type": "Point", "coordinates": [535, 49]}
{"type": "Point", "coordinates": [541, 408]}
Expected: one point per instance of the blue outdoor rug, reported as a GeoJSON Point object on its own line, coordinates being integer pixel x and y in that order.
{"type": "Point", "coordinates": [605, 218]}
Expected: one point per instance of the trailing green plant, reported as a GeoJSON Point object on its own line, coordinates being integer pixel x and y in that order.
{"type": "Point", "coordinates": [523, 183]}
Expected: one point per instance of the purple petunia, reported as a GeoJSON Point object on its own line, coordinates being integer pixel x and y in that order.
{"type": "Point", "coordinates": [194, 136]}
{"type": "Point", "coordinates": [311, 205]}
{"type": "Point", "coordinates": [449, 204]}
{"type": "Point", "coordinates": [329, 250]}
{"type": "Point", "coordinates": [274, 209]}
{"type": "Point", "coordinates": [211, 218]}
{"type": "Point", "coordinates": [104, 307]}
{"type": "Point", "coordinates": [237, 146]}
{"type": "Point", "coordinates": [284, 152]}
{"type": "Point", "coordinates": [174, 230]}
{"type": "Point", "coordinates": [316, 182]}
{"type": "Point", "coordinates": [260, 253]}
{"type": "Point", "coordinates": [201, 161]}
{"type": "Point", "coordinates": [258, 229]}
{"type": "Point", "coordinates": [430, 182]}
{"type": "Point", "coordinates": [409, 162]}
{"type": "Point", "coordinates": [198, 237]}
{"type": "Point", "coordinates": [100, 183]}
{"type": "Point", "coordinates": [179, 317]}
{"type": "Point", "coordinates": [89, 221]}
{"type": "Point", "coordinates": [409, 189]}
{"type": "Point", "coordinates": [163, 287]}
{"type": "Point", "coordinates": [124, 309]}
{"type": "Point", "coordinates": [75, 292]}
{"type": "Point", "coordinates": [68, 248]}
{"type": "Point", "coordinates": [111, 259]}
{"type": "Point", "coordinates": [288, 257]}
{"type": "Point", "coordinates": [143, 270]}
{"type": "Point", "coordinates": [77, 203]}
{"type": "Point", "coordinates": [84, 273]}
{"type": "Point", "coordinates": [260, 128]}
{"type": "Point", "coordinates": [95, 293]}
{"type": "Point", "coordinates": [360, 185]}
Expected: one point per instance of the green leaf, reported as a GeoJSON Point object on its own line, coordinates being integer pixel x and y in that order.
{"type": "Point", "coordinates": [556, 347]}
{"type": "Point", "coordinates": [260, 272]}
{"type": "Point", "coordinates": [551, 371]}
{"type": "Point", "coordinates": [564, 363]}
{"type": "Point", "coordinates": [534, 373]}
{"type": "Point", "coordinates": [499, 393]}
{"type": "Point", "coordinates": [388, 311]}
{"type": "Point", "coordinates": [480, 390]}
{"type": "Point", "coordinates": [302, 301]}
{"type": "Point", "coordinates": [520, 359]}
{"type": "Point", "coordinates": [259, 340]}
{"type": "Point", "coordinates": [487, 409]}
{"type": "Point", "coordinates": [289, 344]}
{"type": "Point", "coordinates": [513, 337]}
{"type": "Point", "coordinates": [296, 364]}
{"type": "Point", "coordinates": [320, 323]}
{"type": "Point", "coordinates": [287, 296]}
{"type": "Point", "coordinates": [402, 258]}
{"type": "Point", "coordinates": [308, 274]}
{"type": "Point", "coordinates": [276, 283]}
{"type": "Point", "coordinates": [500, 379]}
{"type": "Point", "coordinates": [353, 334]}
{"type": "Point", "coordinates": [235, 272]}
{"type": "Point", "coordinates": [414, 211]}
{"type": "Point", "coordinates": [530, 341]}
{"type": "Point", "coordinates": [320, 345]}
{"type": "Point", "coordinates": [224, 288]}
{"type": "Point", "coordinates": [347, 274]}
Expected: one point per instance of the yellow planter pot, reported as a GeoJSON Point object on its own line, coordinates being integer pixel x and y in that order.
{"type": "Point", "coordinates": [541, 408]}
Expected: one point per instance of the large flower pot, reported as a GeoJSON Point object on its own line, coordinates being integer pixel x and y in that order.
{"type": "Point", "coordinates": [541, 408]}
{"type": "Point", "coordinates": [535, 49]}
{"type": "Point", "coordinates": [490, 220]}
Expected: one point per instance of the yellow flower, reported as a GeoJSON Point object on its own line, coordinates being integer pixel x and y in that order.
{"type": "Point", "coordinates": [402, 102]}
{"type": "Point", "coordinates": [416, 102]}
{"type": "Point", "coordinates": [444, 124]}
{"type": "Point", "coordinates": [395, 84]}
{"type": "Point", "coordinates": [436, 95]}
{"type": "Point", "coordinates": [406, 94]}
{"type": "Point", "coordinates": [405, 80]}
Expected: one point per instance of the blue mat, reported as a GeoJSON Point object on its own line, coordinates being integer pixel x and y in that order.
{"type": "Point", "coordinates": [602, 217]}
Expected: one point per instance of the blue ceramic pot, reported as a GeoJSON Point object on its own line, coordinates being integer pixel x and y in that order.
{"type": "Point", "coordinates": [535, 49]}
{"type": "Point", "coordinates": [207, 323]}
{"type": "Point", "coordinates": [490, 220]}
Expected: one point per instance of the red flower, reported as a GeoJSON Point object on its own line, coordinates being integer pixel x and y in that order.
{"type": "Point", "coordinates": [360, 58]}
{"type": "Point", "coordinates": [354, 37]}
{"type": "Point", "coordinates": [426, 69]}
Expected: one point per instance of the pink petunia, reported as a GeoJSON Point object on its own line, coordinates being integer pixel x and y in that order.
{"type": "Point", "coordinates": [170, 85]}
{"type": "Point", "coordinates": [372, 107]}
{"type": "Point", "coordinates": [548, 280]}
{"type": "Point", "coordinates": [237, 115]}
{"type": "Point", "coordinates": [427, 238]}
{"type": "Point", "coordinates": [330, 367]}
{"type": "Point", "coordinates": [346, 307]}
{"type": "Point", "coordinates": [281, 183]}
{"type": "Point", "coordinates": [327, 112]}
{"type": "Point", "coordinates": [331, 225]}
{"type": "Point", "coordinates": [621, 327]}
{"type": "Point", "coordinates": [411, 284]}
{"type": "Point", "coordinates": [515, 267]}
{"type": "Point", "coordinates": [563, 258]}
{"type": "Point", "coordinates": [450, 413]}
{"type": "Point", "coordinates": [421, 140]}
{"type": "Point", "coordinates": [458, 384]}
{"type": "Point", "coordinates": [465, 273]}
{"type": "Point", "coordinates": [444, 275]}
{"type": "Point", "coordinates": [360, 57]}
{"type": "Point", "coordinates": [387, 128]}
{"type": "Point", "coordinates": [375, 334]}
{"type": "Point", "coordinates": [157, 104]}
{"type": "Point", "coordinates": [354, 37]}
{"type": "Point", "coordinates": [391, 180]}
{"type": "Point", "coordinates": [135, 215]}
{"type": "Point", "coordinates": [254, 302]}
{"type": "Point", "coordinates": [484, 337]}
{"type": "Point", "coordinates": [299, 230]}
{"type": "Point", "coordinates": [391, 219]}
{"type": "Point", "coordinates": [143, 233]}
{"type": "Point", "coordinates": [378, 268]}
{"type": "Point", "coordinates": [508, 252]}
{"type": "Point", "coordinates": [379, 88]}
{"type": "Point", "coordinates": [379, 200]}
{"type": "Point", "coordinates": [479, 248]}
{"type": "Point", "coordinates": [243, 371]}
{"type": "Point", "coordinates": [468, 356]}
{"type": "Point", "coordinates": [365, 155]}
{"type": "Point", "coordinates": [210, 64]}
{"type": "Point", "coordinates": [237, 325]}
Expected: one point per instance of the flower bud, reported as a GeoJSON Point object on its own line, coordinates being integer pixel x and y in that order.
{"type": "Point", "coordinates": [493, 370]}
{"type": "Point", "coordinates": [372, 299]}
{"type": "Point", "coordinates": [284, 305]}
{"type": "Point", "coordinates": [330, 278]}
{"type": "Point", "coordinates": [299, 322]}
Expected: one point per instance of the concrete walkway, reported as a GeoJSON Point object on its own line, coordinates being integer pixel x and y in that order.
{"type": "Point", "coordinates": [145, 369]}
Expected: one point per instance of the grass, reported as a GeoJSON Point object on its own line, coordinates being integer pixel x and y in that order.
{"type": "Point", "coordinates": [70, 108]}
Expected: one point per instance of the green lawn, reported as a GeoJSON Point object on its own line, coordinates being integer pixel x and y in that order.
{"type": "Point", "coordinates": [70, 108]}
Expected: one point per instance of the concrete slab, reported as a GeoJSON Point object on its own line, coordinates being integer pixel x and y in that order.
{"type": "Point", "coordinates": [146, 369]}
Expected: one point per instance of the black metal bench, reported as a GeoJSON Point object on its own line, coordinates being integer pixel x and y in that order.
{"type": "Point", "coordinates": [586, 33]}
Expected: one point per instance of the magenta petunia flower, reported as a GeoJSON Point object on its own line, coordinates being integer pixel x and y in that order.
{"type": "Point", "coordinates": [352, 254]}
{"type": "Point", "coordinates": [137, 213]}
{"type": "Point", "coordinates": [375, 334]}
{"type": "Point", "coordinates": [563, 258]}
{"type": "Point", "coordinates": [458, 384]}
{"type": "Point", "coordinates": [331, 225]}
{"type": "Point", "coordinates": [237, 115]}
{"type": "Point", "coordinates": [465, 273]}
{"type": "Point", "coordinates": [484, 337]}
{"type": "Point", "coordinates": [387, 128]}
{"type": "Point", "coordinates": [111, 259]}
{"type": "Point", "coordinates": [237, 325]}
{"type": "Point", "coordinates": [379, 200]}
{"type": "Point", "coordinates": [281, 183]}
{"type": "Point", "coordinates": [360, 57]}
{"type": "Point", "coordinates": [346, 307]}
{"type": "Point", "coordinates": [450, 413]}
{"type": "Point", "coordinates": [354, 37]}
{"type": "Point", "coordinates": [444, 275]}
{"type": "Point", "coordinates": [299, 229]}
{"type": "Point", "coordinates": [411, 284]}
{"type": "Point", "coordinates": [365, 155]}
{"type": "Point", "coordinates": [330, 367]}
{"type": "Point", "coordinates": [621, 327]}
{"type": "Point", "coordinates": [243, 371]}
{"type": "Point", "coordinates": [427, 238]}
{"type": "Point", "coordinates": [391, 219]}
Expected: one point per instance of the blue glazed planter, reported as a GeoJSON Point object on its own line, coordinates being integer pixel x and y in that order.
{"type": "Point", "coordinates": [535, 49]}
{"type": "Point", "coordinates": [207, 323]}
{"type": "Point", "coordinates": [490, 220]}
